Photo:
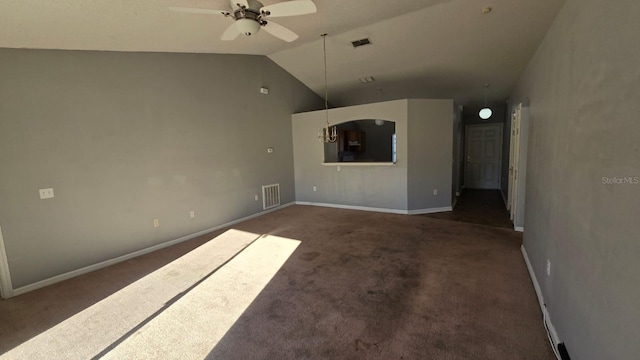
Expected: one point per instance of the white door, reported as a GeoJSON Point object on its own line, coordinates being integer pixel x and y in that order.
{"type": "Point", "coordinates": [514, 161]}
{"type": "Point", "coordinates": [483, 154]}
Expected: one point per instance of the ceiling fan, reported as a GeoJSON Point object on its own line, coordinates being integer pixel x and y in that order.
{"type": "Point", "coordinates": [250, 15]}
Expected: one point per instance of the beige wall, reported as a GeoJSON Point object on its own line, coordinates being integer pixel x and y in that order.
{"type": "Point", "coordinates": [583, 85]}
{"type": "Point", "coordinates": [382, 187]}
{"type": "Point", "coordinates": [430, 153]}
{"type": "Point", "coordinates": [424, 131]}
{"type": "Point", "coordinates": [124, 138]}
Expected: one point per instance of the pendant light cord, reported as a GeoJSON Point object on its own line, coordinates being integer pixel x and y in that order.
{"type": "Point", "coordinates": [326, 92]}
{"type": "Point", "coordinates": [485, 94]}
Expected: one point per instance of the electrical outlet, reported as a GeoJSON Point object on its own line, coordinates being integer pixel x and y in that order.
{"type": "Point", "coordinates": [46, 193]}
{"type": "Point", "coordinates": [548, 267]}
{"type": "Point", "coordinates": [156, 223]}
{"type": "Point", "coordinates": [338, 168]}
{"type": "Point", "coordinates": [256, 197]}
{"type": "Point", "coordinates": [315, 188]}
{"type": "Point", "coordinates": [192, 214]}
{"type": "Point", "coordinates": [435, 192]}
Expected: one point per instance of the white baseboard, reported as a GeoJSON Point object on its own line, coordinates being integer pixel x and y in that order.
{"type": "Point", "coordinates": [518, 228]}
{"type": "Point", "coordinates": [6, 289]}
{"type": "Point", "coordinates": [375, 209]}
{"type": "Point", "coordinates": [71, 274]}
{"type": "Point", "coordinates": [430, 210]}
{"type": "Point", "coordinates": [545, 314]}
{"type": "Point", "coordinates": [352, 207]}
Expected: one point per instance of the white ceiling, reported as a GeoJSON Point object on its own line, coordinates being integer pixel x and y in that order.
{"type": "Point", "coordinates": [421, 48]}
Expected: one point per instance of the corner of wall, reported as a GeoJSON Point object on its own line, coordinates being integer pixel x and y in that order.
{"type": "Point", "coordinates": [6, 287]}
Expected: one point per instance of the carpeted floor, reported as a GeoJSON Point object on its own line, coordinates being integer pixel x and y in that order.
{"type": "Point", "coordinates": [357, 285]}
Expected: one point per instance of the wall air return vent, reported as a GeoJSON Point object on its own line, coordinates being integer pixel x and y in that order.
{"type": "Point", "coordinates": [270, 196]}
{"type": "Point", "coordinates": [361, 42]}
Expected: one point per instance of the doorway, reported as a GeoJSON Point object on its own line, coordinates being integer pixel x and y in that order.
{"type": "Point", "coordinates": [483, 154]}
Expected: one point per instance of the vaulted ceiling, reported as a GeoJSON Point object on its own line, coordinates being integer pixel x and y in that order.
{"type": "Point", "coordinates": [420, 48]}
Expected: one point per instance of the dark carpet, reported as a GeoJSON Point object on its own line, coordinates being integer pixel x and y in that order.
{"type": "Point", "coordinates": [360, 285]}
{"type": "Point", "coordinates": [476, 206]}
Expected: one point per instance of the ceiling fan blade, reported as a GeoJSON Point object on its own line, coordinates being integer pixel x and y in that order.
{"type": "Point", "coordinates": [280, 31]}
{"type": "Point", "coordinates": [231, 33]}
{"type": "Point", "coordinates": [290, 8]}
{"type": "Point", "coordinates": [198, 10]}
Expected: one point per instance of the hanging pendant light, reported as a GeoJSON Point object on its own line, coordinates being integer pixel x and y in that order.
{"type": "Point", "coordinates": [379, 122]}
{"type": "Point", "coordinates": [485, 112]}
{"type": "Point", "coordinates": [328, 134]}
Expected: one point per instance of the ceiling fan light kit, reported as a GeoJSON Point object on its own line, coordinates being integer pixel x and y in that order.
{"type": "Point", "coordinates": [251, 15]}
{"type": "Point", "coordinates": [247, 27]}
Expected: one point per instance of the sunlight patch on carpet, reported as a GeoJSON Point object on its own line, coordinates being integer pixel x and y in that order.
{"type": "Point", "coordinates": [91, 331]}
{"type": "Point", "coordinates": [191, 327]}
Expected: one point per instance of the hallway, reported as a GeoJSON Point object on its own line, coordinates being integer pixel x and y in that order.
{"type": "Point", "coordinates": [476, 206]}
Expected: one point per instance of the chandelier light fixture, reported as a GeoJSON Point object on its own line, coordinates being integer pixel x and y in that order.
{"type": "Point", "coordinates": [485, 112]}
{"type": "Point", "coordinates": [328, 134]}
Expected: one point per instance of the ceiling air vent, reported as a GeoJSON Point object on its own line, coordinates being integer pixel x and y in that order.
{"type": "Point", "coordinates": [361, 42]}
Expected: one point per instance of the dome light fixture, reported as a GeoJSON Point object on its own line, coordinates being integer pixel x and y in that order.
{"type": "Point", "coordinates": [485, 112]}
{"type": "Point", "coordinates": [247, 26]}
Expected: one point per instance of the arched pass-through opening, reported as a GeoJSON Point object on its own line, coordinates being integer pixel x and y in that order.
{"type": "Point", "coordinates": [363, 141]}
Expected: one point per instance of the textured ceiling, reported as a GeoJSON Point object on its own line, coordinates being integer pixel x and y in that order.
{"type": "Point", "coordinates": [421, 48]}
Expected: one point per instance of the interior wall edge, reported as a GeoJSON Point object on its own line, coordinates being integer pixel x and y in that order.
{"type": "Point", "coordinates": [6, 288]}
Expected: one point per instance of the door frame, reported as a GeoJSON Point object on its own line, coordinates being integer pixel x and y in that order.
{"type": "Point", "coordinates": [510, 169]}
{"type": "Point", "coordinates": [466, 148]}
{"type": "Point", "coordinates": [514, 161]}
{"type": "Point", "coordinates": [6, 288]}
{"type": "Point", "coordinates": [459, 152]}
{"type": "Point", "coordinates": [518, 161]}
